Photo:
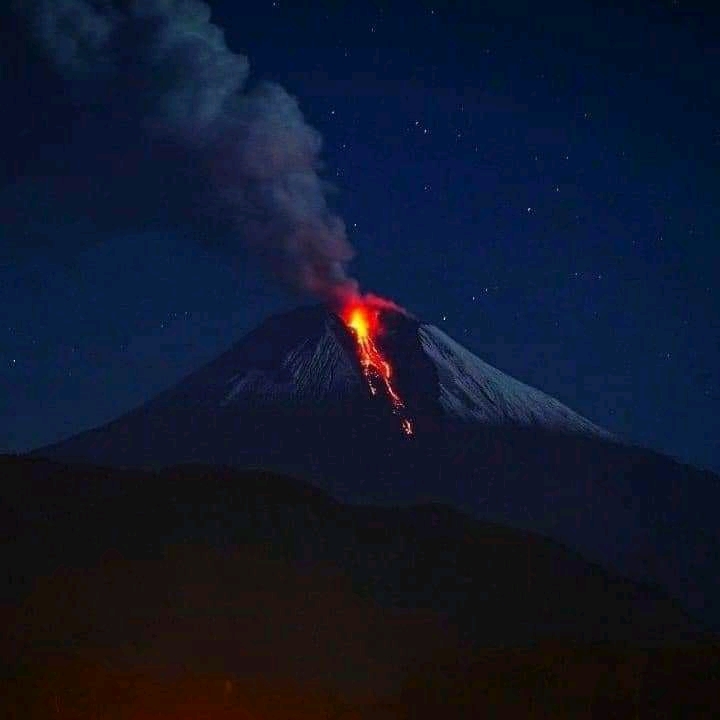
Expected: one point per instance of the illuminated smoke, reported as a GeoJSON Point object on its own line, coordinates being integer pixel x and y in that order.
{"type": "Point", "coordinates": [166, 66]}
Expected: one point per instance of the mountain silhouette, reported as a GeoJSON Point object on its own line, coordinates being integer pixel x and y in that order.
{"type": "Point", "coordinates": [291, 397]}
{"type": "Point", "coordinates": [229, 593]}
{"type": "Point", "coordinates": [494, 584]}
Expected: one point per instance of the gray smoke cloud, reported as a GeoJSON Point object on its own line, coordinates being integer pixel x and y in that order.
{"type": "Point", "coordinates": [165, 65]}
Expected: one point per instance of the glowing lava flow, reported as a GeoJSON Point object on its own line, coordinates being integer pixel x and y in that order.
{"type": "Point", "coordinates": [364, 321]}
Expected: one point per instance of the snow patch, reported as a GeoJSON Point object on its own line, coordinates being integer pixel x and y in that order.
{"type": "Point", "coordinates": [470, 389]}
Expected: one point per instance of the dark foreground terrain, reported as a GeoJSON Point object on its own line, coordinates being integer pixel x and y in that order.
{"type": "Point", "coordinates": [552, 682]}
{"type": "Point", "coordinates": [199, 592]}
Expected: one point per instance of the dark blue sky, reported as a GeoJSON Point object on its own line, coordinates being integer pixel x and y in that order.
{"type": "Point", "coordinates": [542, 187]}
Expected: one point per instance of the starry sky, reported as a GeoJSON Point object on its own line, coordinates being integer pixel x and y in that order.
{"type": "Point", "coordinates": [542, 186]}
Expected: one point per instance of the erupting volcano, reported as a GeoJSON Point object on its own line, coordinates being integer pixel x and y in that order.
{"type": "Point", "coordinates": [292, 396]}
{"type": "Point", "coordinates": [362, 316]}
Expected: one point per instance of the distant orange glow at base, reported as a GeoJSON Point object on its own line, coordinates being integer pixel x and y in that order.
{"type": "Point", "coordinates": [362, 316]}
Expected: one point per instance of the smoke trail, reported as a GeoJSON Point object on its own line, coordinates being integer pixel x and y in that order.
{"type": "Point", "coordinates": [164, 65]}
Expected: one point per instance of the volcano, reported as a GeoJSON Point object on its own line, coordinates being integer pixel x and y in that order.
{"type": "Point", "coordinates": [297, 395]}
{"type": "Point", "coordinates": [304, 369]}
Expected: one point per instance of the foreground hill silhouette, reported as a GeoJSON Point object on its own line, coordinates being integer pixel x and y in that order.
{"type": "Point", "coordinates": [247, 594]}
{"type": "Point", "coordinates": [291, 397]}
{"type": "Point", "coordinates": [498, 585]}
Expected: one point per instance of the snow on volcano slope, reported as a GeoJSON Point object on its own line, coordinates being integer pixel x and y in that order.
{"type": "Point", "coordinates": [472, 390]}
{"type": "Point", "coordinates": [314, 371]}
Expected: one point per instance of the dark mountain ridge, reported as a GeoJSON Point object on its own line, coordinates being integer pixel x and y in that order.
{"type": "Point", "coordinates": [496, 585]}
{"type": "Point", "coordinates": [213, 592]}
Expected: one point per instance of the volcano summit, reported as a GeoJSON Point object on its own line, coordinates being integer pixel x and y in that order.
{"type": "Point", "coordinates": [297, 395]}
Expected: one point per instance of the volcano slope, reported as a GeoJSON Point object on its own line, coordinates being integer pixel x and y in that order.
{"type": "Point", "coordinates": [291, 397]}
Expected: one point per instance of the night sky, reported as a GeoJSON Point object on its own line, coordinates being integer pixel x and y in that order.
{"type": "Point", "coordinates": [543, 187]}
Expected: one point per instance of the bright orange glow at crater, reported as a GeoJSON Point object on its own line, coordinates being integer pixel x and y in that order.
{"type": "Point", "coordinates": [363, 318]}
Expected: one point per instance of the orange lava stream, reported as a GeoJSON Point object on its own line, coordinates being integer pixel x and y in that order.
{"type": "Point", "coordinates": [364, 322]}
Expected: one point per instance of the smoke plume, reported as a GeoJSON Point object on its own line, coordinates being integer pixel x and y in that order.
{"type": "Point", "coordinates": [162, 67]}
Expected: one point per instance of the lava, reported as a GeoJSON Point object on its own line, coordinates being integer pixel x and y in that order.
{"type": "Point", "coordinates": [363, 318]}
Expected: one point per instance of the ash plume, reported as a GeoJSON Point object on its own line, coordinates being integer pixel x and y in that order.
{"type": "Point", "coordinates": [244, 157]}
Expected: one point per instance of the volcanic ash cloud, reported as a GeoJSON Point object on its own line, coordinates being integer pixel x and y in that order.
{"type": "Point", "coordinates": [166, 66]}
